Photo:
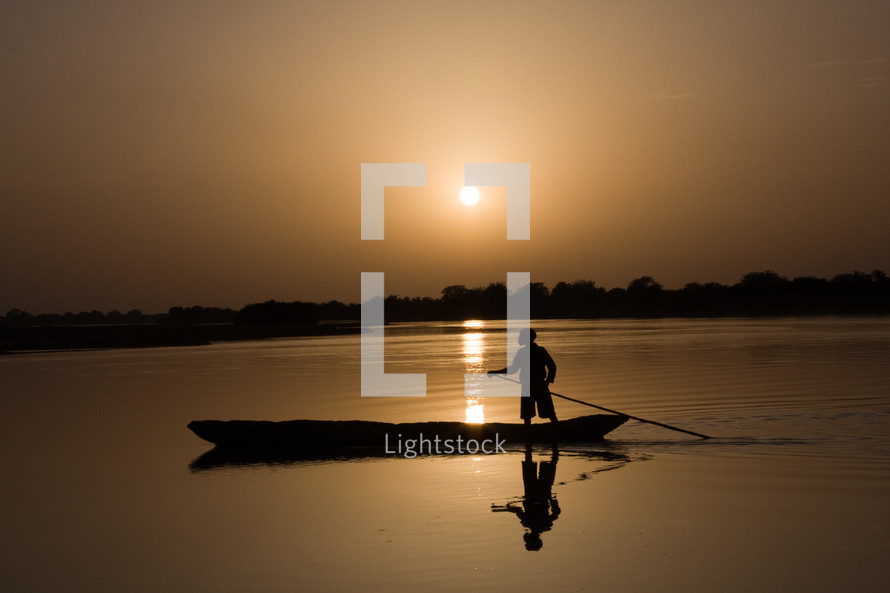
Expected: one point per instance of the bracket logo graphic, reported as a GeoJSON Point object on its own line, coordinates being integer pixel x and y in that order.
{"type": "Point", "coordinates": [375, 178]}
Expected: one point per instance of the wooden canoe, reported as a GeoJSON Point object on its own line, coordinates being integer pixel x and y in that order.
{"type": "Point", "coordinates": [430, 437]}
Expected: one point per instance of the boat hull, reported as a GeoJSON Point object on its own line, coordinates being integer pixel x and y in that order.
{"type": "Point", "coordinates": [313, 435]}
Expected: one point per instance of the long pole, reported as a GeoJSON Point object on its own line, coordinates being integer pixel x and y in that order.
{"type": "Point", "coordinates": [578, 401]}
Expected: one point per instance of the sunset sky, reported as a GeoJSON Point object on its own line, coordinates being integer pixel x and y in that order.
{"type": "Point", "coordinates": [161, 154]}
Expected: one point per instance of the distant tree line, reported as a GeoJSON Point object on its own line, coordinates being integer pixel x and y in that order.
{"type": "Point", "coordinates": [757, 293]}
{"type": "Point", "coordinates": [17, 317]}
{"type": "Point", "coordinates": [297, 312]}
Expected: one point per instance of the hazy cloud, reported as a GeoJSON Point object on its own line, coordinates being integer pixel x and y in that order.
{"type": "Point", "coordinates": [669, 96]}
{"type": "Point", "coordinates": [850, 68]}
{"type": "Point", "coordinates": [834, 63]}
{"type": "Point", "coordinates": [828, 64]}
{"type": "Point", "coordinates": [50, 181]}
{"type": "Point", "coordinates": [871, 81]}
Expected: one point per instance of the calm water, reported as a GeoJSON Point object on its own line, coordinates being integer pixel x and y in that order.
{"type": "Point", "coordinates": [792, 494]}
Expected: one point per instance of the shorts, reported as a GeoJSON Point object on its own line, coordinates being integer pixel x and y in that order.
{"type": "Point", "coordinates": [540, 398]}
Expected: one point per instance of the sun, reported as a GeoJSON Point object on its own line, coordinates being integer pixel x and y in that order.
{"type": "Point", "coordinates": [469, 195]}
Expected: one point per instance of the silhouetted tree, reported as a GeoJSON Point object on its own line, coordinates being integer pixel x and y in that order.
{"type": "Point", "coordinates": [809, 285]}
{"type": "Point", "coordinates": [766, 283]}
{"type": "Point", "coordinates": [644, 285]}
{"type": "Point", "coordinates": [336, 311]}
{"type": "Point", "coordinates": [277, 312]}
{"type": "Point", "coordinates": [18, 316]}
{"type": "Point", "coordinates": [197, 314]}
{"type": "Point", "coordinates": [539, 299]}
{"type": "Point", "coordinates": [494, 301]}
{"type": "Point", "coordinates": [853, 283]}
{"type": "Point", "coordinates": [576, 299]}
{"type": "Point", "coordinates": [458, 302]}
{"type": "Point", "coordinates": [645, 297]}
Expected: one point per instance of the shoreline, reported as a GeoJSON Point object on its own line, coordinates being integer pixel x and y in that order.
{"type": "Point", "coordinates": [46, 339]}
{"type": "Point", "coordinates": [41, 339]}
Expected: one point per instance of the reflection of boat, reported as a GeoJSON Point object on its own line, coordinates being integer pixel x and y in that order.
{"type": "Point", "coordinates": [309, 436]}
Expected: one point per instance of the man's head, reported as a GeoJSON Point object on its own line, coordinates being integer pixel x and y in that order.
{"type": "Point", "coordinates": [533, 541]}
{"type": "Point", "coordinates": [527, 336]}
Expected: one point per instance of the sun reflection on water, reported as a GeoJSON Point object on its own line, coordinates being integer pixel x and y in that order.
{"type": "Point", "coordinates": [473, 343]}
{"type": "Point", "coordinates": [475, 412]}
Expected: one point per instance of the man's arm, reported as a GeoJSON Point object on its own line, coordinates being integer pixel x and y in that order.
{"type": "Point", "coordinates": [551, 366]}
{"type": "Point", "coordinates": [514, 367]}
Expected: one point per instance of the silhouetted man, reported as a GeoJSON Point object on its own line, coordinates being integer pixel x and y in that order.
{"type": "Point", "coordinates": [535, 380]}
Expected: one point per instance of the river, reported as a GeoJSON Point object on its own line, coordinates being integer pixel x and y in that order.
{"type": "Point", "coordinates": [792, 493]}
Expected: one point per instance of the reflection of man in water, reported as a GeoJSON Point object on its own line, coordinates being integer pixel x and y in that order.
{"type": "Point", "coordinates": [535, 380]}
{"type": "Point", "coordinates": [538, 508]}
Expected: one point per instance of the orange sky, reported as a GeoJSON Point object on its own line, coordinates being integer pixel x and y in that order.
{"type": "Point", "coordinates": [181, 153]}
